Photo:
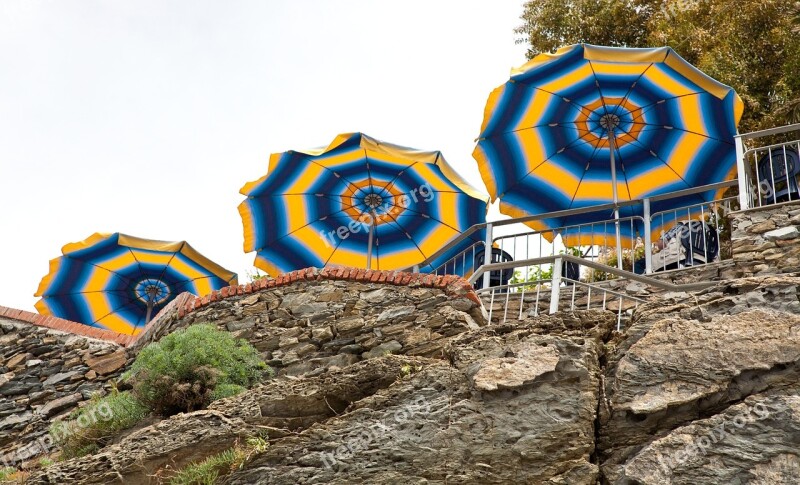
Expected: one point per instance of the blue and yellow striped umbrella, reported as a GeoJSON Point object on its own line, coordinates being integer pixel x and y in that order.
{"type": "Point", "coordinates": [330, 206]}
{"type": "Point", "coordinates": [117, 282]}
{"type": "Point", "coordinates": [545, 140]}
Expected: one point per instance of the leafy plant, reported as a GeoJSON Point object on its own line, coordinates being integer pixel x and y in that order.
{"type": "Point", "coordinates": [535, 275]}
{"type": "Point", "coordinates": [609, 257]}
{"type": "Point", "coordinates": [92, 426]}
{"type": "Point", "coordinates": [572, 251]}
{"type": "Point", "coordinates": [257, 275]}
{"type": "Point", "coordinates": [192, 367]}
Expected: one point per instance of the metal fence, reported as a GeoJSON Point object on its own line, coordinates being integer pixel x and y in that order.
{"type": "Point", "coordinates": [557, 291]}
{"type": "Point", "coordinates": [524, 265]}
{"type": "Point", "coordinates": [768, 164]}
{"type": "Point", "coordinates": [698, 231]}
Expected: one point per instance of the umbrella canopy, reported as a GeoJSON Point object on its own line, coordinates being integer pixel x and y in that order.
{"type": "Point", "coordinates": [117, 282]}
{"type": "Point", "coordinates": [590, 125]}
{"type": "Point", "coordinates": [358, 202]}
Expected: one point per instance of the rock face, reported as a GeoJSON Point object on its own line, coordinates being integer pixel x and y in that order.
{"type": "Point", "coordinates": [395, 418]}
{"type": "Point", "coordinates": [399, 383]}
{"type": "Point", "coordinates": [44, 373]}
{"type": "Point", "coordinates": [687, 366]}
{"type": "Point", "coordinates": [699, 389]}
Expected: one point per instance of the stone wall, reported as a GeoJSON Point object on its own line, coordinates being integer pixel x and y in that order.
{"type": "Point", "coordinates": [312, 319]}
{"type": "Point", "coordinates": [766, 240]}
{"type": "Point", "coordinates": [301, 322]}
{"type": "Point", "coordinates": [44, 374]}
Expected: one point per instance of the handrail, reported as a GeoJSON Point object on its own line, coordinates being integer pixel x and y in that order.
{"type": "Point", "coordinates": [568, 212]}
{"type": "Point", "coordinates": [610, 221]}
{"type": "Point", "coordinates": [769, 131]}
{"type": "Point", "coordinates": [594, 265]}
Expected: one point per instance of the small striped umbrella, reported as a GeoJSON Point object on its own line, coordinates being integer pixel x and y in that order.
{"type": "Point", "coordinates": [358, 202]}
{"type": "Point", "coordinates": [118, 282]}
{"type": "Point", "coordinates": [592, 125]}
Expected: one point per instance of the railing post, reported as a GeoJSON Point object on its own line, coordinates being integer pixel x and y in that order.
{"type": "Point", "coordinates": [487, 254]}
{"type": "Point", "coordinates": [555, 285]}
{"type": "Point", "coordinates": [744, 199]}
{"type": "Point", "coordinates": [648, 245]}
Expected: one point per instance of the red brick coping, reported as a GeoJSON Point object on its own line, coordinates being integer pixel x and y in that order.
{"type": "Point", "coordinates": [68, 326]}
{"type": "Point", "coordinates": [452, 285]}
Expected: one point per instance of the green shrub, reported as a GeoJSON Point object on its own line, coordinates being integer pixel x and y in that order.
{"type": "Point", "coordinates": [91, 427]}
{"type": "Point", "coordinates": [226, 390]}
{"type": "Point", "coordinates": [190, 368]}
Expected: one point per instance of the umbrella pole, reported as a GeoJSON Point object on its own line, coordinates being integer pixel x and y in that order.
{"type": "Point", "coordinates": [151, 293]}
{"type": "Point", "coordinates": [616, 198]}
{"type": "Point", "coordinates": [371, 237]}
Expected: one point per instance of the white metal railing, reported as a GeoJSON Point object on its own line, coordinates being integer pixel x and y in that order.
{"type": "Point", "coordinates": [768, 163]}
{"type": "Point", "coordinates": [527, 243]}
{"type": "Point", "coordinates": [557, 292]}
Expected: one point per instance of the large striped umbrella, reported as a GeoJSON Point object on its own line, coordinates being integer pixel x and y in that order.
{"type": "Point", "coordinates": [591, 125]}
{"type": "Point", "coordinates": [358, 202]}
{"type": "Point", "coordinates": [118, 282]}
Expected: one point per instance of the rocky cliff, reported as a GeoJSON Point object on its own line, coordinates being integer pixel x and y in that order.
{"type": "Point", "coordinates": [701, 388]}
{"type": "Point", "coordinates": [393, 378]}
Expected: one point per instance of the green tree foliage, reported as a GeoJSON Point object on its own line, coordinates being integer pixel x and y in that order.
{"type": "Point", "coordinates": [751, 45]}
{"type": "Point", "coordinates": [192, 367]}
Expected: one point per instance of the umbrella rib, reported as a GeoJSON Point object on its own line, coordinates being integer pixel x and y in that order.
{"type": "Point", "coordinates": [116, 310]}
{"type": "Point", "coordinates": [663, 162]}
{"type": "Point", "coordinates": [332, 198]}
{"type": "Point", "coordinates": [424, 256]}
{"type": "Point", "coordinates": [428, 216]}
{"type": "Point", "coordinates": [164, 270]}
{"type": "Point", "coordinates": [397, 176]}
{"type": "Point", "coordinates": [585, 170]}
{"type": "Point", "coordinates": [185, 283]}
{"type": "Point", "coordinates": [630, 89]}
{"type": "Point", "coordinates": [116, 275]}
{"type": "Point", "coordinates": [581, 108]}
{"type": "Point", "coordinates": [683, 130]}
{"type": "Point", "coordinates": [369, 172]}
{"type": "Point", "coordinates": [599, 91]}
{"type": "Point", "coordinates": [572, 144]}
{"type": "Point", "coordinates": [334, 172]}
{"type": "Point", "coordinates": [304, 226]}
{"type": "Point", "coordinates": [333, 252]}
{"type": "Point", "coordinates": [685, 95]}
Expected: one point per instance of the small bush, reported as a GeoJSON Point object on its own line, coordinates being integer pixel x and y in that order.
{"type": "Point", "coordinates": [226, 390]}
{"type": "Point", "coordinates": [192, 367]}
{"type": "Point", "coordinates": [91, 427]}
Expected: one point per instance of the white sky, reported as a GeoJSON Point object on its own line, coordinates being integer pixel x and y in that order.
{"type": "Point", "coordinates": [146, 117]}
